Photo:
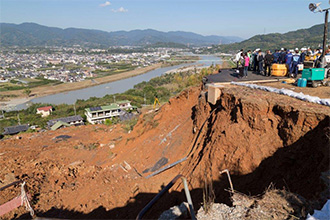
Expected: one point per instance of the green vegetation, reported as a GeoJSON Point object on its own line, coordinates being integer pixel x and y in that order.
{"type": "Point", "coordinates": [129, 125]}
{"type": "Point", "coordinates": [311, 37]}
{"type": "Point", "coordinates": [18, 85]}
{"type": "Point", "coordinates": [163, 87]}
{"type": "Point", "coordinates": [27, 92]}
{"type": "Point", "coordinates": [4, 97]}
{"type": "Point", "coordinates": [90, 146]}
{"type": "Point", "coordinates": [113, 68]}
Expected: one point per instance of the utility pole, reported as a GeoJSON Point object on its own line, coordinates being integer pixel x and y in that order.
{"type": "Point", "coordinates": [145, 100]}
{"type": "Point", "coordinates": [316, 8]}
{"type": "Point", "coordinates": [3, 115]}
{"type": "Point", "coordinates": [325, 36]}
{"type": "Point", "coordinates": [74, 107]}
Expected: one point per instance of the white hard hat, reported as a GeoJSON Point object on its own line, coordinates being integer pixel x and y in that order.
{"type": "Point", "coordinates": [296, 48]}
{"type": "Point", "coordinates": [257, 49]}
{"type": "Point", "coordinates": [282, 48]}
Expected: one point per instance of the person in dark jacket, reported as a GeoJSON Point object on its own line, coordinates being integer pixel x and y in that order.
{"type": "Point", "coordinates": [260, 59]}
{"type": "Point", "coordinates": [254, 60]}
{"type": "Point", "coordinates": [282, 56]}
{"type": "Point", "coordinates": [302, 56]}
{"type": "Point", "coordinates": [276, 57]}
{"type": "Point", "coordinates": [295, 62]}
{"type": "Point", "coordinates": [288, 62]}
{"type": "Point", "coordinates": [268, 62]}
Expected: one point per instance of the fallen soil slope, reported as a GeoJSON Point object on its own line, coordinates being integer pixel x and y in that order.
{"type": "Point", "coordinates": [261, 140]}
{"type": "Point", "coordinates": [99, 172]}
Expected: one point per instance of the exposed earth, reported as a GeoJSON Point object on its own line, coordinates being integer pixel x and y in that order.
{"type": "Point", "coordinates": [97, 171]}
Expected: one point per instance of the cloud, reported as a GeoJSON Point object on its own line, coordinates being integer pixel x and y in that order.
{"type": "Point", "coordinates": [107, 3]}
{"type": "Point", "coordinates": [120, 10]}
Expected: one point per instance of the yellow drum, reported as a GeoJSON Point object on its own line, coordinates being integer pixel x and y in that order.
{"type": "Point", "coordinates": [279, 70]}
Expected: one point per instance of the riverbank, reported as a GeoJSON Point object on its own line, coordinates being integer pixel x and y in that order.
{"type": "Point", "coordinates": [41, 91]}
{"type": "Point", "coordinates": [186, 68]}
{"type": "Point", "coordinates": [98, 87]}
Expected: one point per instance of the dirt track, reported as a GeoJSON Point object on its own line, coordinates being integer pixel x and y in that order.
{"type": "Point", "coordinates": [256, 135]}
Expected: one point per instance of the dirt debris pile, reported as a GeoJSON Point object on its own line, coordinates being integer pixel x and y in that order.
{"type": "Point", "coordinates": [261, 139]}
{"type": "Point", "coordinates": [258, 136]}
{"type": "Point", "coordinates": [274, 204]}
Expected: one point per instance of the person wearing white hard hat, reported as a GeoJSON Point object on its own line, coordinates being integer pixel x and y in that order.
{"type": "Point", "coordinates": [282, 57]}
{"type": "Point", "coordinates": [237, 58]}
{"type": "Point", "coordinates": [295, 62]}
{"type": "Point", "coordinates": [302, 55]}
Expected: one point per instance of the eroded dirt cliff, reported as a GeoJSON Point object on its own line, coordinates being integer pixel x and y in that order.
{"type": "Point", "coordinates": [100, 172]}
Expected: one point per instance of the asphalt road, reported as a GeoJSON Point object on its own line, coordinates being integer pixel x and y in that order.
{"type": "Point", "coordinates": [229, 75]}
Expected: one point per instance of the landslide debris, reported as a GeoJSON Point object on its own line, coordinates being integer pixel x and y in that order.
{"type": "Point", "coordinates": [261, 139]}
{"type": "Point", "coordinates": [99, 172]}
{"type": "Point", "coordinates": [274, 204]}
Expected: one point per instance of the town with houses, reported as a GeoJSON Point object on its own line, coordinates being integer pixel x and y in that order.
{"type": "Point", "coordinates": [74, 64]}
{"type": "Point", "coordinates": [122, 110]}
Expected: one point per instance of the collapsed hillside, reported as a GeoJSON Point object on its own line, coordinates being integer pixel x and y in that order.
{"type": "Point", "coordinates": [261, 138]}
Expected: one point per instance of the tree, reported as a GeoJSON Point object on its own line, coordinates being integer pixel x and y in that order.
{"type": "Point", "coordinates": [27, 92]}
{"type": "Point", "coordinates": [108, 122]}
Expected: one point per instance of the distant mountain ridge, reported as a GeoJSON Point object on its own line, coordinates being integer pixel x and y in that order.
{"type": "Point", "coordinates": [32, 34]}
{"type": "Point", "coordinates": [309, 37]}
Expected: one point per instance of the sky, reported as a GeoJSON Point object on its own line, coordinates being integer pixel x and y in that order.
{"type": "Point", "coordinates": [243, 18]}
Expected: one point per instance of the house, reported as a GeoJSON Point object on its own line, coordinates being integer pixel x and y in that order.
{"type": "Point", "coordinates": [97, 115]}
{"type": "Point", "coordinates": [126, 105]}
{"type": "Point", "coordinates": [71, 120]}
{"type": "Point", "coordinates": [15, 129]}
{"type": "Point", "coordinates": [45, 111]}
{"type": "Point", "coordinates": [58, 125]}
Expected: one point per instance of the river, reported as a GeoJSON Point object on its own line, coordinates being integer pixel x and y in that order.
{"type": "Point", "coordinates": [119, 86]}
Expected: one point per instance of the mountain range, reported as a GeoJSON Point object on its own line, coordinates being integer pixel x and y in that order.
{"type": "Point", "coordinates": [32, 34]}
{"type": "Point", "coordinates": [310, 37]}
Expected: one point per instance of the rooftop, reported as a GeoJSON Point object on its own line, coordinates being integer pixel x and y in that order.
{"type": "Point", "coordinates": [16, 129]}
{"type": "Point", "coordinates": [45, 108]}
{"type": "Point", "coordinates": [66, 120]}
{"type": "Point", "coordinates": [59, 124]}
{"type": "Point", "coordinates": [123, 102]}
{"type": "Point", "coordinates": [112, 106]}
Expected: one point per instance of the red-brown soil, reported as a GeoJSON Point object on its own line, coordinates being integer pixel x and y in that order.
{"type": "Point", "coordinates": [260, 137]}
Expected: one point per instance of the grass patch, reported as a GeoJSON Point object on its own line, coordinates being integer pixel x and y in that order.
{"type": "Point", "coordinates": [129, 124]}
{"type": "Point", "coordinates": [31, 83]}
{"type": "Point", "coordinates": [90, 146]}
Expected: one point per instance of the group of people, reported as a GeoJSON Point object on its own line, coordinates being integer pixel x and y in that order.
{"type": "Point", "coordinates": [261, 62]}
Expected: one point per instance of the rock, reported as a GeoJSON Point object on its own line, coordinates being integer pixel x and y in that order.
{"type": "Point", "coordinates": [176, 212]}
{"type": "Point", "coordinates": [9, 178]}
{"type": "Point", "coordinates": [112, 146]}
